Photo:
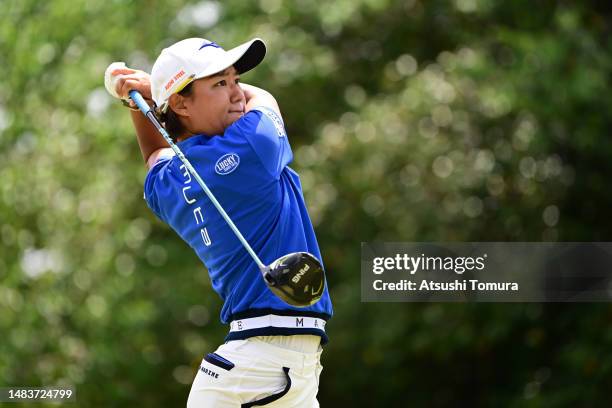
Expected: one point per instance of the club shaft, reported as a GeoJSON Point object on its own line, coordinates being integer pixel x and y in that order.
{"type": "Point", "coordinates": [148, 112]}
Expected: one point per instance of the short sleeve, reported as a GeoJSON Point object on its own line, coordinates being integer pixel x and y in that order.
{"type": "Point", "coordinates": [151, 181]}
{"type": "Point", "coordinates": [264, 130]}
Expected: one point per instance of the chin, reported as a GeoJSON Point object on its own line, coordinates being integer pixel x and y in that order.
{"type": "Point", "coordinates": [234, 117]}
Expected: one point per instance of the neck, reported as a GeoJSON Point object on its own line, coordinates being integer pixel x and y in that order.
{"type": "Point", "coordinates": [184, 137]}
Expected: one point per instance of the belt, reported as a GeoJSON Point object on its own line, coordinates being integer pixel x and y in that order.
{"type": "Point", "coordinates": [288, 322]}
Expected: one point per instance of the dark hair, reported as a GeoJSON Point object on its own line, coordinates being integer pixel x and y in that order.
{"type": "Point", "coordinates": [170, 119]}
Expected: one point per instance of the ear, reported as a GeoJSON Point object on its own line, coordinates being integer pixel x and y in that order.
{"type": "Point", "coordinates": [177, 104]}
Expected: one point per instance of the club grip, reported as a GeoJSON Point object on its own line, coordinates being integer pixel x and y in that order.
{"type": "Point", "coordinates": [139, 101]}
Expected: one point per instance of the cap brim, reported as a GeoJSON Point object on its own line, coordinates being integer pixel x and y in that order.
{"type": "Point", "coordinates": [251, 54]}
{"type": "Point", "coordinates": [243, 57]}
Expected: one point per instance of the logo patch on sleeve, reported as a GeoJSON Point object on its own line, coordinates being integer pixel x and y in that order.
{"type": "Point", "coordinates": [278, 123]}
{"type": "Point", "coordinates": [227, 164]}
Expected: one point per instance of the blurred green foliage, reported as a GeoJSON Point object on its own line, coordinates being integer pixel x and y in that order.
{"type": "Point", "coordinates": [466, 120]}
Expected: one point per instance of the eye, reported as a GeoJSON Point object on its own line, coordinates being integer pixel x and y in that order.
{"type": "Point", "coordinates": [221, 83]}
{"type": "Point", "coordinates": [237, 80]}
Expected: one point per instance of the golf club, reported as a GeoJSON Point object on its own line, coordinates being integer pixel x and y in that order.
{"type": "Point", "coordinates": [296, 278]}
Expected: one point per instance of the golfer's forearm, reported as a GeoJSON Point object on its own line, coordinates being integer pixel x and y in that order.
{"type": "Point", "coordinates": [258, 97]}
{"type": "Point", "coordinates": [148, 137]}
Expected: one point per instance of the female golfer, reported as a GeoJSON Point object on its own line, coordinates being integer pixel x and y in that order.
{"type": "Point", "coordinates": [233, 135]}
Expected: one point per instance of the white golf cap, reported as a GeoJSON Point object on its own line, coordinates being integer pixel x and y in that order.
{"type": "Point", "coordinates": [194, 58]}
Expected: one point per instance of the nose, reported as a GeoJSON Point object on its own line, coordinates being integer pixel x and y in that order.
{"type": "Point", "coordinates": [237, 93]}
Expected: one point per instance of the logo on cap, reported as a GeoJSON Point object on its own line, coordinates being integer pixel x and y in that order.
{"type": "Point", "coordinates": [227, 163]}
{"type": "Point", "coordinates": [174, 78]}
{"type": "Point", "coordinates": [209, 44]}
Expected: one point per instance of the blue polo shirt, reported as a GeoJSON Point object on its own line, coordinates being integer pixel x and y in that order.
{"type": "Point", "coordinates": [247, 170]}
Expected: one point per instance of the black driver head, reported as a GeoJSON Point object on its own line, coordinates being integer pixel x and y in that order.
{"type": "Point", "coordinates": [296, 278]}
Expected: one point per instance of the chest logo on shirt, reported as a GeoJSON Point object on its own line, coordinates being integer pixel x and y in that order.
{"type": "Point", "coordinates": [227, 163]}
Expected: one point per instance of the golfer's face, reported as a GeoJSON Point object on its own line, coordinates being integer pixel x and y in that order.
{"type": "Point", "coordinates": [217, 102]}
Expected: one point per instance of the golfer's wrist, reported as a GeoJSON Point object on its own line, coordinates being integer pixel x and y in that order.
{"type": "Point", "coordinates": [132, 106]}
{"type": "Point", "coordinates": [126, 103]}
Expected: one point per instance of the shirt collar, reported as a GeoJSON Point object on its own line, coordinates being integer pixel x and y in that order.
{"type": "Point", "coordinates": [192, 141]}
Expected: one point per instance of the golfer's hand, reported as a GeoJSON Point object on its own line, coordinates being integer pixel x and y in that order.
{"type": "Point", "coordinates": [130, 79]}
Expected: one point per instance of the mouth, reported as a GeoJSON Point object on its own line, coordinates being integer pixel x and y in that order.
{"type": "Point", "coordinates": [240, 110]}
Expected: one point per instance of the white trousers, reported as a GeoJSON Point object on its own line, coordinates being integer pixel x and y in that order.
{"type": "Point", "coordinates": [271, 371]}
